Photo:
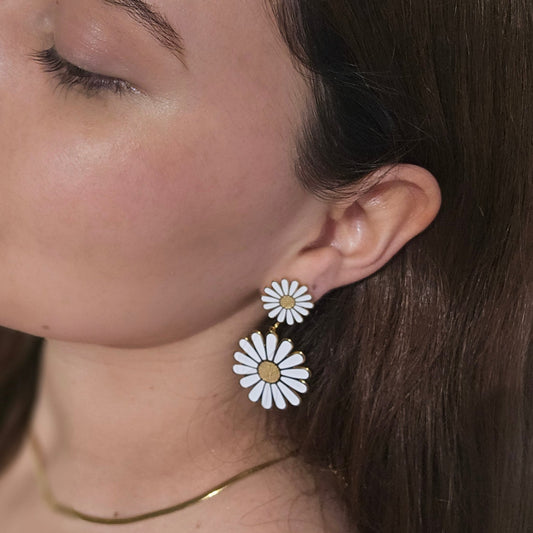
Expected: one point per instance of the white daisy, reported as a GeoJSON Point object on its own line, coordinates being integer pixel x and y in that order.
{"type": "Point", "coordinates": [271, 368]}
{"type": "Point", "coordinates": [287, 303]}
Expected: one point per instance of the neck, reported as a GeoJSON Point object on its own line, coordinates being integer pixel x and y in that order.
{"type": "Point", "coordinates": [134, 424]}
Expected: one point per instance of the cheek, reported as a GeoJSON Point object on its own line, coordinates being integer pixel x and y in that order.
{"type": "Point", "coordinates": [143, 200]}
{"type": "Point", "coordinates": [108, 230]}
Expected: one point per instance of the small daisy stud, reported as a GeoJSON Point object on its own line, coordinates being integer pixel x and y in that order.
{"type": "Point", "coordinates": [287, 302]}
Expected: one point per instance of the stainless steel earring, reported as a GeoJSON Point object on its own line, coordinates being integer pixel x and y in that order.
{"type": "Point", "coordinates": [268, 365]}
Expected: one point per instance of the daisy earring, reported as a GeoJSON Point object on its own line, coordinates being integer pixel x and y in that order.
{"type": "Point", "coordinates": [269, 366]}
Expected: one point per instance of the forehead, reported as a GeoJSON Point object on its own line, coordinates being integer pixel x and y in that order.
{"type": "Point", "coordinates": [246, 20]}
{"type": "Point", "coordinates": [215, 22]}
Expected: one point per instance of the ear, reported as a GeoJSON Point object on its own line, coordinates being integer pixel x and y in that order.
{"type": "Point", "coordinates": [361, 233]}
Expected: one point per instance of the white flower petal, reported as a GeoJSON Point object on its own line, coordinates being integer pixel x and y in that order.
{"type": "Point", "coordinates": [285, 286]}
{"type": "Point", "coordinates": [296, 373]}
{"type": "Point", "coordinates": [259, 344]}
{"type": "Point", "coordinates": [307, 305]}
{"type": "Point", "coordinates": [279, 400]}
{"type": "Point", "coordinates": [301, 310]}
{"type": "Point", "coordinates": [284, 349]}
{"type": "Point", "coordinates": [248, 381]}
{"type": "Point", "coordinates": [266, 399]}
{"type": "Point", "coordinates": [270, 299]}
{"type": "Point", "coordinates": [271, 343]}
{"type": "Point", "coordinates": [303, 297]}
{"type": "Point", "coordinates": [294, 360]}
{"type": "Point", "coordinates": [270, 305]}
{"type": "Point", "coordinates": [297, 316]}
{"type": "Point", "coordinates": [293, 398]}
{"type": "Point", "coordinates": [281, 316]}
{"type": "Point", "coordinates": [275, 311]}
{"type": "Point", "coordinates": [295, 384]}
{"type": "Point", "coordinates": [249, 349]}
{"type": "Point", "coordinates": [245, 360]}
{"type": "Point", "coordinates": [272, 293]}
{"type": "Point", "coordinates": [299, 292]}
{"type": "Point", "coordinates": [293, 287]}
{"type": "Point", "coordinates": [255, 393]}
{"type": "Point", "coordinates": [277, 288]}
{"type": "Point", "coordinates": [289, 317]}
{"type": "Point", "coordinates": [243, 370]}
{"type": "Point", "coordinates": [304, 300]}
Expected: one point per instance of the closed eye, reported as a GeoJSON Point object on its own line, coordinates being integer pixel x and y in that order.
{"type": "Point", "coordinates": [69, 75]}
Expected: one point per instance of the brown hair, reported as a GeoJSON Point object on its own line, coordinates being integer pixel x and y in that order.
{"type": "Point", "coordinates": [421, 396]}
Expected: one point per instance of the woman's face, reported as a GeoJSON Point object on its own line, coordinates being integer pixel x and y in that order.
{"type": "Point", "coordinates": [139, 217]}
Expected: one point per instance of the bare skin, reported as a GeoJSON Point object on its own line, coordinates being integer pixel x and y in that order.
{"type": "Point", "coordinates": [281, 499]}
{"type": "Point", "coordinates": [137, 233]}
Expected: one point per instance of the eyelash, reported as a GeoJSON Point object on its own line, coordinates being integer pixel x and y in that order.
{"type": "Point", "coordinates": [69, 75]}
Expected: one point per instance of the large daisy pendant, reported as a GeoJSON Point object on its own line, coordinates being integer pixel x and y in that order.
{"type": "Point", "coordinates": [271, 368]}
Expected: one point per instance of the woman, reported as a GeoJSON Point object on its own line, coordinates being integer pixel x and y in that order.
{"type": "Point", "coordinates": [165, 165]}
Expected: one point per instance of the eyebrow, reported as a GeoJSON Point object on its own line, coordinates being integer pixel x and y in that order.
{"type": "Point", "coordinates": [155, 22]}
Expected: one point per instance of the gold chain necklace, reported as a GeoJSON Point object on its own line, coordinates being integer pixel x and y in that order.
{"type": "Point", "coordinates": [47, 494]}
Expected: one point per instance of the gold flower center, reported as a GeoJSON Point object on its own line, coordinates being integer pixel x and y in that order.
{"type": "Point", "coordinates": [269, 372]}
{"type": "Point", "coordinates": [287, 302]}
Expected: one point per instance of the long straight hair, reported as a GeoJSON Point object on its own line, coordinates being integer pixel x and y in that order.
{"type": "Point", "coordinates": [421, 399]}
{"type": "Point", "coordinates": [422, 395]}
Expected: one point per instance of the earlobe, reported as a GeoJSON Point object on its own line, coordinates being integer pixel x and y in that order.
{"type": "Point", "coordinates": [362, 233]}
